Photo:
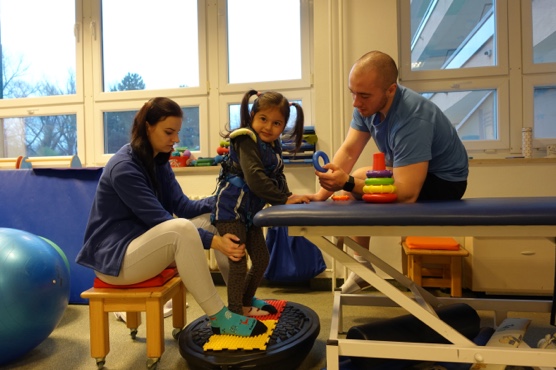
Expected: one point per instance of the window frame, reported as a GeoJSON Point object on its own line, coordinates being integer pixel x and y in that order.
{"type": "Point", "coordinates": [530, 82]}
{"type": "Point", "coordinates": [231, 99]}
{"type": "Point", "coordinates": [134, 105]}
{"type": "Point", "coordinates": [500, 84]}
{"type": "Point", "coordinates": [58, 100]}
{"type": "Point", "coordinates": [211, 96]}
{"type": "Point", "coordinates": [501, 40]}
{"type": "Point", "coordinates": [96, 37]}
{"type": "Point", "coordinates": [527, 40]}
{"type": "Point", "coordinates": [52, 110]}
{"type": "Point", "coordinates": [514, 78]}
{"type": "Point", "coordinates": [305, 80]}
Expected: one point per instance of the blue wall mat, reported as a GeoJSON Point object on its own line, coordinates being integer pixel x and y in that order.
{"type": "Point", "coordinates": [55, 204]}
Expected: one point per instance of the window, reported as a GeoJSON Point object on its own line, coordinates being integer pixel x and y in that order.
{"type": "Point", "coordinates": [110, 57]}
{"type": "Point", "coordinates": [45, 135]}
{"type": "Point", "coordinates": [257, 58]}
{"type": "Point", "coordinates": [457, 53]}
{"type": "Point", "coordinates": [38, 52]}
{"type": "Point", "coordinates": [256, 55]}
{"type": "Point", "coordinates": [34, 70]}
{"type": "Point", "coordinates": [541, 14]}
{"type": "Point", "coordinates": [539, 78]}
{"type": "Point", "coordinates": [155, 46]}
{"type": "Point", "coordinates": [452, 35]}
{"type": "Point", "coordinates": [234, 119]}
{"type": "Point", "coordinates": [117, 126]}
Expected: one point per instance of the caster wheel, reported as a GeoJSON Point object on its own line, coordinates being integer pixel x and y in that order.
{"type": "Point", "coordinates": [100, 363]}
{"type": "Point", "coordinates": [133, 333]}
{"type": "Point", "coordinates": [176, 333]}
{"type": "Point", "coordinates": [152, 363]}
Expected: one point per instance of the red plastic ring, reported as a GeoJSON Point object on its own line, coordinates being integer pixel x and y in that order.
{"type": "Point", "coordinates": [380, 198]}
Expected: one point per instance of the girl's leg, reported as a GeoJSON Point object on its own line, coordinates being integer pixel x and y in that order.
{"type": "Point", "coordinates": [178, 240]}
{"type": "Point", "coordinates": [237, 269]}
{"type": "Point", "coordinates": [257, 304]}
{"type": "Point", "coordinates": [258, 252]}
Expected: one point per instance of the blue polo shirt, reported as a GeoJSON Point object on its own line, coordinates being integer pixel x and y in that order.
{"type": "Point", "coordinates": [416, 130]}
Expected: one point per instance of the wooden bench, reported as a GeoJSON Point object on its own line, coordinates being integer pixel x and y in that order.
{"type": "Point", "coordinates": [133, 301]}
{"type": "Point", "coordinates": [435, 268]}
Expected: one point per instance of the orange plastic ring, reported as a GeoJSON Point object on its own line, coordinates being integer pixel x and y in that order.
{"type": "Point", "coordinates": [340, 197]}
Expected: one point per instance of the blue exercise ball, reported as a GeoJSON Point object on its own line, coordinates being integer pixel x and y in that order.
{"type": "Point", "coordinates": [34, 291]}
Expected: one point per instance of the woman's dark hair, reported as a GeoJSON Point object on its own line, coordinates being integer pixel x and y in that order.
{"type": "Point", "coordinates": [272, 99]}
{"type": "Point", "coordinates": [152, 112]}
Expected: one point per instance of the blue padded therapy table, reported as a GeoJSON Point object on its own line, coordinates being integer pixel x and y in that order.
{"type": "Point", "coordinates": [327, 223]}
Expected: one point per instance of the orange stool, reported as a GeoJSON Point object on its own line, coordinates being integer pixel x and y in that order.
{"type": "Point", "coordinates": [149, 297]}
{"type": "Point", "coordinates": [434, 262]}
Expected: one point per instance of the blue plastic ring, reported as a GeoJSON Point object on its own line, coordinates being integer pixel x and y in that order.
{"type": "Point", "coordinates": [319, 154]}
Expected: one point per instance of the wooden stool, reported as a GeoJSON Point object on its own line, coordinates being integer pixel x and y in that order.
{"type": "Point", "coordinates": [133, 301]}
{"type": "Point", "coordinates": [438, 268]}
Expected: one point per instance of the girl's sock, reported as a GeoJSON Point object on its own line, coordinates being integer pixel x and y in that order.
{"type": "Point", "coordinates": [227, 322]}
{"type": "Point", "coordinates": [263, 305]}
{"type": "Point", "coordinates": [251, 311]}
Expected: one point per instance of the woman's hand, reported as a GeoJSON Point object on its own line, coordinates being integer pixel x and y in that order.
{"type": "Point", "coordinates": [229, 245]}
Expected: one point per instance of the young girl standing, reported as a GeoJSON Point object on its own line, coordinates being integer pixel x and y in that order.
{"type": "Point", "coordinates": [252, 176]}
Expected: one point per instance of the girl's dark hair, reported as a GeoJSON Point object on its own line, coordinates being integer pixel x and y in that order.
{"type": "Point", "coordinates": [152, 112]}
{"type": "Point", "coordinates": [272, 99]}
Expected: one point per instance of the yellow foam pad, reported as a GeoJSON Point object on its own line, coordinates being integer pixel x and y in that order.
{"type": "Point", "coordinates": [221, 342]}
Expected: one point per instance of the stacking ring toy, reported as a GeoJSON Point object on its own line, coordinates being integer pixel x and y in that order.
{"type": "Point", "coordinates": [381, 173]}
{"type": "Point", "coordinates": [379, 189]}
{"type": "Point", "coordinates": [320, 154]}
{"type": "Point", "coordinates": [380, 198]}
{"type": "Point", "coordinates": [379, 181]}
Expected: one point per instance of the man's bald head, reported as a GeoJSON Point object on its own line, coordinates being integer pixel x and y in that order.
{"type": "Point", "coordinates": [382, 64]}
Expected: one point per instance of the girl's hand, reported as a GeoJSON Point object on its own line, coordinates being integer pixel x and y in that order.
{"type": "Point", "coordinates": [230, 245]}
{"type": "Point", "coordinates": [294, 199]}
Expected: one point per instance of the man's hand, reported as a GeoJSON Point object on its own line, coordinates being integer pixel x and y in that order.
{"type": "Point", "coordinates": [229, 245]}
{"type": "Point", "coordinates": [332, 180]}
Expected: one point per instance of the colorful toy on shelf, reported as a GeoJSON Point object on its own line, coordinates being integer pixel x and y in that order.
{"type": "Point", "coordinates": [224, 148]}
{"type": "Point", "coordinates": [180, 157]}
{"type": "Point", "coordinates": [221, 151]}
{"type": "Point", "coordinates": [305, 152]}
{"type": "Point", "coordinates": [204, 161]}
{"type": "Point", "coordinates": [379, 184]}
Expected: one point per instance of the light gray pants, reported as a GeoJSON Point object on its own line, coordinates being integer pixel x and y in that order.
{"type": "Point", "coordinates": [178, 241]}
